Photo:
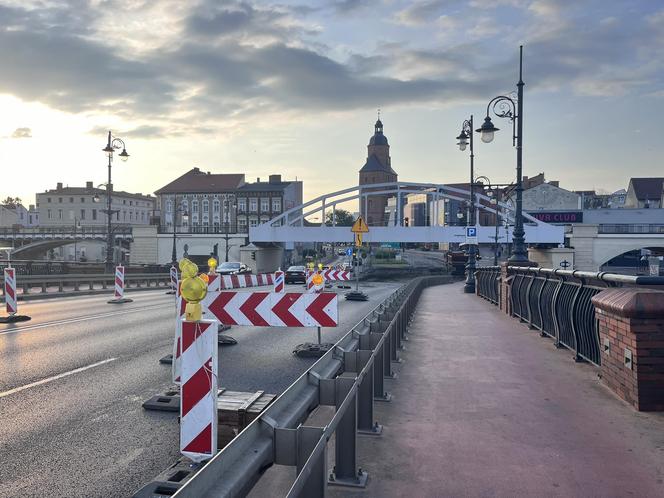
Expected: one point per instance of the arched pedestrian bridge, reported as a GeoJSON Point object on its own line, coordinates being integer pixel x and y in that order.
{"type": "Point", "coordinates": [291, 227]}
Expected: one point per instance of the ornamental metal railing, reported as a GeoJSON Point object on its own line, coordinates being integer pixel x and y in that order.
{"type": "Point", "coordinates": [199, 229]}
{"type": "Point", "coordinates": [488, 283]}
{"type": "Point", "coordinates": [558, 303]}
{"type": "Point", "coordinates": [349, 377]}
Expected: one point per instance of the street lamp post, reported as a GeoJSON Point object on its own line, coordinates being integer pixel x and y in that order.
{"type": "Point", "coordinates": [505, 107]}
{"type": "Point", "coordinates": [229, 208]}
{"type": "Point", "coordinates": [466, 138]}
{"type": "Point", "coordinates": [113, 144]}
{"type": "Point", "coordinates": [185, 219]}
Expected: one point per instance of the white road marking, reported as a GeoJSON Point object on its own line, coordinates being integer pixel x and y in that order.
{"type": "Point", "coordinates": [83, 318]}
{"type": "Point", "coordinates": [55, 377]}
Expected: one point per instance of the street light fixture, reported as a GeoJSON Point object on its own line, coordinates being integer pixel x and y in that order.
{"type": "Point", "coordinates": [466, 138]}
{"type": "Point", "coordinates": [177, 208]}
{"type": "Point", "coordinates": [113, 144]}
{"type": "Point", "coordinates": [506, 107]}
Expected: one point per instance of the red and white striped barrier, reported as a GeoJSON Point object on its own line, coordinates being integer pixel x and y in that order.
{"type": "Point", "coordinates": [310, 280]}
{"type": "Point", "coordinates": [198, 391]}
{"type": "Point", "coordinates": [271, 309]}
{"type": "Point", "coordinates": [337, 275]}
{"type": "Point", "coordinates": [11, 301]}
{"type": "Point", "coordinates": [10, 291]}
{"type": "Point", "coordinates": [174, 280]}
{"type": "Point", "coordinates": [118, 296]}
{"type": "Point", "coordinates": [279, 282]}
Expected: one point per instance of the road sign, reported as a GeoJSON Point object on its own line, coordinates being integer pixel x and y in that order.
{"type": "Point", "coordinates": [359, 226]}
{"type": "Point", "coordinates": [269, 309]}
{"type": "Point", "coordinates": [349, 251]}
{"type": "Point", "coordinates": [336, 275]}
{"type": "Point", "coordinates": [358, 240]}
{"type": "Point", "coordinates": [471, 235]}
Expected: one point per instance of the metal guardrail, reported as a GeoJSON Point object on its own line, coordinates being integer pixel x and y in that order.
{"type": "Point", "coordinates": [558, 303]}
{"type": "Point", "coordinates": [48, 283]}
{"type": "Point", "coordinates": [38, 267]}
{"type": "Point", "coordinates": [60, 232]}
{"type": "Point", "coordinates": [488, 283]}
{"type": "Point", "coordinates": [349, 376]}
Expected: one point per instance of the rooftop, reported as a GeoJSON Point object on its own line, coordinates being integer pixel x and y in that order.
{"type": "Point", "coordinates": [196, 181]}
{"type": "Point", "coordinates": [647, 188]}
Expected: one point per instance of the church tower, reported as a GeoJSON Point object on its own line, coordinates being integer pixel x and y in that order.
{"type": "Point", "coordinates": [377, 169]}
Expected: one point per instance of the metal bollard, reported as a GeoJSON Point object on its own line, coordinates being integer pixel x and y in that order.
{"type": "Point", "coordinates": [365, 398]}
{"type": "Point", "coordinates": [345, 472]}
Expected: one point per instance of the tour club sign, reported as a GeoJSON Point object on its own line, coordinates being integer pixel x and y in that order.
{"type": "Point", "coordinates": [558, 216]}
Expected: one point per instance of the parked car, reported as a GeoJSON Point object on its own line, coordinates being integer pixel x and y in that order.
{"type": "Point", "coordinates": [341, 251]}
{"type": "Point", "coordinates": [232, 268]}
{"type": "Point", "coordinates": [295, 275]}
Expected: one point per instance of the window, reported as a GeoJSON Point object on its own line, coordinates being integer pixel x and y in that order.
{"type": "Point", "coordinates": [48, 199]}
{"type": "Point", "coordinates": [242, 205]}
{"type": "Point", "coordinates": [169, 206]}
{"type": "Point", "coordinates": [253, 205]}
{"type": "Point", "coordinates": [82, 199]}
{"type": "Point", "coordinates": [276, 205]}
{"type": "Point", "coordinates": [48, 213]}
{"type": "Point", "coordinates": [242, 223]}
{"type": "Point", "coordinates": [265, 219]}
{"type": "Point", "coordinates": [94, 214]}
{"type": "Point", "coordinates": [194, 206]}
{"type": "Point", "coordinates": [215, 205]}
{"type": "Point", "coordinates": [131, 203]}
{"type": "Point", "coordinates": [265, 204]}
{"type": "Point", "coordinates": [60, 200]}
{"type": "Point", "coordinates": [253, 222]}
{"type": "Point", "coordinates": [71, 200]}
{"type": "Point", "coordinates": [82, 214]}
{"type": "Point", "coordinates": [185, 206]}
{"type": "Point", "coordinates": [205, 205]}
{"type": "Point", "coordinates": [59, 214]}
{"type": "Point", "coordinates": [124, 201]}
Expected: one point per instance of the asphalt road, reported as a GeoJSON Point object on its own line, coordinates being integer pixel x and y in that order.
{"type": "Point", "coordinates": [73, 379]}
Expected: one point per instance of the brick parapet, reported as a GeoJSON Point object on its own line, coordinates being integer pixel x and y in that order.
{"type": "Point", "coordinates": [631, 324]}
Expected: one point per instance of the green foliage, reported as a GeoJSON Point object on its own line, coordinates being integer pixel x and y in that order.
{"type": "Point", "coordinates": [344, 218]}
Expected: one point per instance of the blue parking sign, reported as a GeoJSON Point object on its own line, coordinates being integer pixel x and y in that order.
{"type": "Point", "coordinates": [471, 232]}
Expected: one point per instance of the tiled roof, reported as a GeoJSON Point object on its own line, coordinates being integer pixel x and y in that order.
{"type": "Point", "coordinates": [647, 188]}
{"type": "Point", "coordinates": [374, 164]}
{"type": "Point", "coordinates": [263, 186]}
{"type": "Point", "coordinates": [197, 181]}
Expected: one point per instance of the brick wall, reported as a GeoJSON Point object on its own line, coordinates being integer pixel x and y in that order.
{"type": "Point", "coordinates": [631, 336]}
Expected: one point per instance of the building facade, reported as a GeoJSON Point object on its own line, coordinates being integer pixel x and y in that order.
{"type": "Point", "coordinates": [86, 207]}
{"type": "Point", "coordinates": [644, 193]}
{"type": "Point", "coordinates": [203, 202]}
{"type": "Point", "coordinates": [376, 169]}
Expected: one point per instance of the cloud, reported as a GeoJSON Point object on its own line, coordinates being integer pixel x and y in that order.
{"type": "Point", "coordinates": [22, 133]}
{"type": "Point", "coordinates": [423, 12]}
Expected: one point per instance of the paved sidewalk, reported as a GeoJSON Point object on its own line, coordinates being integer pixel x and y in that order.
{"type": "Point", "coordinates": [485, 407]}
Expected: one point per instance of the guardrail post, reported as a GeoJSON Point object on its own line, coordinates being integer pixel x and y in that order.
{"type": "Point", "coordinates": [387, 361]}
{"type": "Point", "coordinates": [345, 472]}
{"type": "Point", "coordinates": [365, 398]}
{"type": "Point", "coordinates": [378, 371]}
{"type": "Point", "coordinates": [394, 354]}
{"type": "Point", "coordinates": [307, 438]}
{"type": "Point", "coordinates": [60, 286]}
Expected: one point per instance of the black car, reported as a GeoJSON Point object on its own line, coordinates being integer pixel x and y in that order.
{"type": "Point", "coordinates": [295, 275]}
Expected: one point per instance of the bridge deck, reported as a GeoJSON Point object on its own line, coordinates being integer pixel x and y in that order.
{"type": "Point", "coordinates": [485, 407]}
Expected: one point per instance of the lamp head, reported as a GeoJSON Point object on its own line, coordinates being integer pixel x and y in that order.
{"type": "Point", "coordinates": [487, 130]}
{"type": "Point", "coordinates": [123, 155]}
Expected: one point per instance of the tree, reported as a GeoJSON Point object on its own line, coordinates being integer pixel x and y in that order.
{"type": "Point", "coordinates": [12, 202]}
{"type": "Point", "coordinates": [344, 218]}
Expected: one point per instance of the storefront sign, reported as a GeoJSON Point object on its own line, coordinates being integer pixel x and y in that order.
{"type": "Point", "coordinates": [558, 216]}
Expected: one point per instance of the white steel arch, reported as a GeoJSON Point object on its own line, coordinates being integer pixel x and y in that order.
{"type": "Point", "coordinates": [290, 227]}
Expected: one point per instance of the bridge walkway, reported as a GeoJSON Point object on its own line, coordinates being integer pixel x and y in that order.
{"type": "Point", "coordinates": [485, 407]}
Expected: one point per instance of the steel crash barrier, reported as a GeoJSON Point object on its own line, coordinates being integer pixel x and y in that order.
{"type": "Point", "coordinates": [45, 284]}
{"type": "Point", "coordinates": [349, 377]}
{"type": "Point", "coordinates": [558, 302]}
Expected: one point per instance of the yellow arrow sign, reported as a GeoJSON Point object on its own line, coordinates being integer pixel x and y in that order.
{"type": "Point", "coordinates": [359, 226]}
{"type": "Point", "coordinates": [358, 240]}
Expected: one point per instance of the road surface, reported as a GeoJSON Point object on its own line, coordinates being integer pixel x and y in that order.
{"type": "Point", "coordinates": [73, 379]}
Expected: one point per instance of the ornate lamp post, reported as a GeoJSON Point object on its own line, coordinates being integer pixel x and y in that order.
{"type": "Point", "coordinates": [177, 208]}
{"type": "Point", "coordinates": [466, 138]}
{"type": "Point", "coordinates": [505, 107]}
{"type": "Point", "coordinates": [113, 144]}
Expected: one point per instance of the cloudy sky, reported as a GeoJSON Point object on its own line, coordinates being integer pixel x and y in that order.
{"type": "Point", "coordinates": [292, 87]}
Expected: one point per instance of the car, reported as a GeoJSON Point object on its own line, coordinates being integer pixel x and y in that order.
{"type": "Point", "coordinates": [348, 267]}
{"type": "Point", "coordinates": [341, 251]}
{"type": "Point", "coordinates": [232, 268]}
{"type": "Point", "coordinates": [296, 275]}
